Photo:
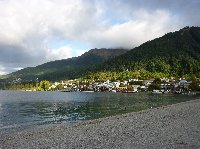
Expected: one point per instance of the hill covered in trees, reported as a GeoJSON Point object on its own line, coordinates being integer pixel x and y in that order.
{"type": "Point", "coordinates": [64, 69]}
{"type": "Point", "coordinates": [174, 54]}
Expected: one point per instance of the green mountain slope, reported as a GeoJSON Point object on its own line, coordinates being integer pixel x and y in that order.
{"type": "Point", "coordinates": [174, 54]}
{"type": "Point", "coordinates": [64, 69]}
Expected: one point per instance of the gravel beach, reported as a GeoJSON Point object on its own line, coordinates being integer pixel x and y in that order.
{"type": "Point", "coordinates": [173, 126]}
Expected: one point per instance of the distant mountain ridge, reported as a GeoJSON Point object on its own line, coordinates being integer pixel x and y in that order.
{"type": "Point", "coordinates": [174, 54]}
{"type": "Point", "coordinates": [66, 68]}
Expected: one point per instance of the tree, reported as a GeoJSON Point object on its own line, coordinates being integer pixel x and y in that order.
{"type": "Point", "coordinates": [194, 86]}
{"type": "Point", "coordinates": [44, 85]}
{"type": "Point", "coordinates": [59, 87]}
{"type": "Point", "coordinates": [157, 81]}
{"type": "Point", "coordinates": [154, 87]}
{"type": "Point", "coordinates": [129, 88]}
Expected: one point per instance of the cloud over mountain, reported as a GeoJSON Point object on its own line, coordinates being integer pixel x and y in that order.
{"type": "Point", "coordinates": [34, 31]}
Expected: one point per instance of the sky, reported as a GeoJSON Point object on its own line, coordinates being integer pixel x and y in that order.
{"type": "Point", "coordinates": [33, 32]}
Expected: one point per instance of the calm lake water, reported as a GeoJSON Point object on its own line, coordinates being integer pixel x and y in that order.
{"type": "Point", "coordinates": [21, 110]}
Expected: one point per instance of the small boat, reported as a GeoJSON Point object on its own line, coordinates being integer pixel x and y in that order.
{"type": "Point", "coordinates": [65, 91]}
{"type": "Point", "coordinates": [129, 91]}
{"type": "Point", "coordinates": [157, 92]}
{"type": "Point", "coordinates": [87, 91]}
{"type": "Point", "coordinates": [177, 92]}
{"type": "Point", "coordinates": [28, 90]}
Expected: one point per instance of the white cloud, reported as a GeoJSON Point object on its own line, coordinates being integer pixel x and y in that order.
{"type": "Point", "coordinates": [29, 27]}
{"type": "Point", "coordinates": [4, 70]}
{"type": "Point", "coordinates": [146, 26]}
{"type": "Point", "coordinates": [60, 53]}
{"type": "Point", "coordinates": [80, 52]}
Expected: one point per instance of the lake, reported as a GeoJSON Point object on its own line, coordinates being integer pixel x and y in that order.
{"type": "Point", "coordinates": [20, 110]}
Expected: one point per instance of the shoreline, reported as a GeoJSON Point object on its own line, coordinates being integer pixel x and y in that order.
{"type": "Point", "coordinates": [171, 126]}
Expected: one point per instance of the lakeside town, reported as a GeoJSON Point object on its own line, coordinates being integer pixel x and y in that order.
{"type": "Point", "coordinates": [157, 85]}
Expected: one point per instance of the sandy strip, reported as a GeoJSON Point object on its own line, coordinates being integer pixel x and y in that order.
{"type": "Point", "coordinates": [175, 126]}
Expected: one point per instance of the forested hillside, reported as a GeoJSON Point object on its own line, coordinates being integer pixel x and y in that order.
{"type": "Point", "coordinates": [174, 54]}
{"type": "Point", "coordinates": [64, 69]}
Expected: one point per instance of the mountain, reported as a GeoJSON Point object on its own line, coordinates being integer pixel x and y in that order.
{"type": "Point", "coordinates": [174, 54]}
{"type": "Point", "coordinates": [64, 69]}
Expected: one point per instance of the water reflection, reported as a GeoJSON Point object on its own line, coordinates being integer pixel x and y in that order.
{"type": "Point", "coordinates": [0, 108]}
{"type": "Point", "coordinates": [58, 111]}
{"type": "Point", "coordinates": [24, 109]}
